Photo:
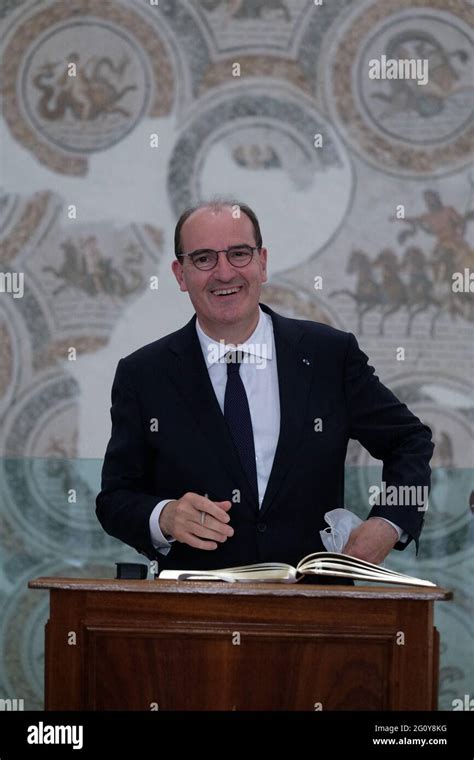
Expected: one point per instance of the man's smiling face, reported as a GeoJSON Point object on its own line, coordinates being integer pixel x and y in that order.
{"type": "Point", "coordinates": [218, 230]}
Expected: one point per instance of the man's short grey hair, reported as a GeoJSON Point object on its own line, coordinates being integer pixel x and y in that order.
{"type": "Point", "coordinates": [216, 204]}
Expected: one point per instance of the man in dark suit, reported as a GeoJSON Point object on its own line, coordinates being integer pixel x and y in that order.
{"type": "Point", "coordinates": [229, 436]}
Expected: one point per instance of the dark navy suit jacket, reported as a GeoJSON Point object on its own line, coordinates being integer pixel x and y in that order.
{"type": "Point", "coordinates": [323, 374]}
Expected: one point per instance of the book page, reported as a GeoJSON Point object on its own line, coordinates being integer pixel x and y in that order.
{"type": "Point", "coordinates": [328, 563]}
{"type": "Point", "coordinates": [270, 571]}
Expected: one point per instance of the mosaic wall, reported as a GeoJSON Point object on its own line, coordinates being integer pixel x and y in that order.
{"type": "Point", "coordinates": [270, 101]}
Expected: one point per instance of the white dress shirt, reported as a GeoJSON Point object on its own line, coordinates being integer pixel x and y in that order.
{"type": "Point", "coordinates": [260, 378]}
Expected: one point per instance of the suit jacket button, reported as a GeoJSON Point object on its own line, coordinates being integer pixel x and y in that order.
{"type": "Point", "coordinates": [261, 527]}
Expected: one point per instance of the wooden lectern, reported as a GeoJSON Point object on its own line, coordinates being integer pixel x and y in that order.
{"type": "Point", "coordinates": [205, 645]}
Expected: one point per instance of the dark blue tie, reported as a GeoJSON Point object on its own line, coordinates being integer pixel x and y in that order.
{"type": "Point", "coordinates": [237, 416]}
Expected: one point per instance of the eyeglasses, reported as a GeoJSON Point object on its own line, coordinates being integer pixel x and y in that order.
{"type": "Point", "coordinates": [237, 256]}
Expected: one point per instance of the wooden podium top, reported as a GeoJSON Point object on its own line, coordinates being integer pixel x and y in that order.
{"type": "Point", "coordinates": [245, 589]}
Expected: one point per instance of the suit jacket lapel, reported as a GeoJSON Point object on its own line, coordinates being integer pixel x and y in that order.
{"type": "Point", "coordinates": [295, 372]}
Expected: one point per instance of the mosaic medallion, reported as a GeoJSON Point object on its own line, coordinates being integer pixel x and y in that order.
{"type": "Point", "coordinates": [404, 124]}
{"type": "Point", "coordinates": [79, 76]}
{"type": "Point", "coordinates": [46, 492]}
{"type": "Point", "coordinates": [251, 140]}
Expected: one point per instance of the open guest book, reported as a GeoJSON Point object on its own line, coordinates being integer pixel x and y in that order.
{"type": "Point", "coordinates": [320, 563]}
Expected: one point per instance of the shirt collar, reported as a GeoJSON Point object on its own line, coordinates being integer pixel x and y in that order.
{"type": "Point", "coordinates": [260, 343]}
